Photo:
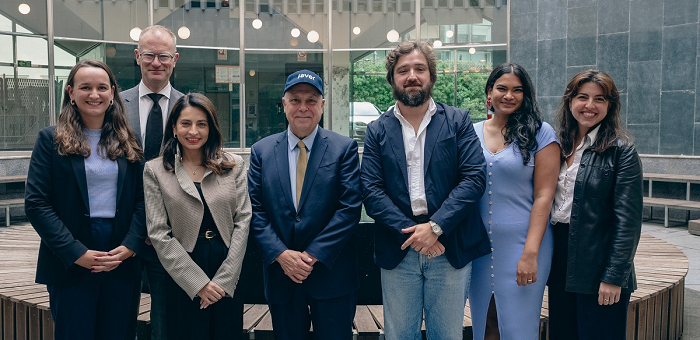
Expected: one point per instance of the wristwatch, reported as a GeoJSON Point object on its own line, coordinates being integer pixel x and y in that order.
{"type": "Point", "coordinates": [436, 228]}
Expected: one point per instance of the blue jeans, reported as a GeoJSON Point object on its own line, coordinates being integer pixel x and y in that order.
{"type": "Point", "coordinates": [420, 284]}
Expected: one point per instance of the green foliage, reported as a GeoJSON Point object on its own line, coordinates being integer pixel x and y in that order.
{"type": "Point", "coordinates": [370, 85]}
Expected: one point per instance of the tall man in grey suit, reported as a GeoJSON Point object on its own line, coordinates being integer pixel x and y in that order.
{"type": "Point", "coordinates": [304, 188]}
{"type": "Point", "coordinates": [156, 55]}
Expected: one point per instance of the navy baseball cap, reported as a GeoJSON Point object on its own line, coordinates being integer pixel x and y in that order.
{"type": "Point", "coordinates": [304, 76]}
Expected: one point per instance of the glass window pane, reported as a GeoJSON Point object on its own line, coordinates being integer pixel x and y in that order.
{"type": "Point", "coordinates": [264, 112]}
{"type": "Point", "coordinates": [24, 106]}
{"type": "Point", "coordinates": [99, 20]}
{"type": "Point", "coordinates": [33, 22]}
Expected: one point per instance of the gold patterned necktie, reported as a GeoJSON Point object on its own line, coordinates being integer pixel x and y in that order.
{"type": "Point", "coordinates": [301, 168]}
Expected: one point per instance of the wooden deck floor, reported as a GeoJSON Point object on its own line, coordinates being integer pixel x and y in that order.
{"type": "Point", "coordinates": [655, 312]}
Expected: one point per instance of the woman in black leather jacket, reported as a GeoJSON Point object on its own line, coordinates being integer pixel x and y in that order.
{"type": "Point", "coordinates": [596, 216]}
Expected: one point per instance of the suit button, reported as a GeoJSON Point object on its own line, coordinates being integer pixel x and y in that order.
{"type": "Point", "coordinates": [298, 219]}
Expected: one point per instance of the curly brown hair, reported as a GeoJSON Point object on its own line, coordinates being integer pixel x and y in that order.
{"type": "Point", "coordinates": [405, 48]}
{"type": "Point", "coordinates": [117, 138]}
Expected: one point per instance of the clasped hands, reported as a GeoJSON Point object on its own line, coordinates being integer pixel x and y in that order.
{"type": "Point", "coordinates": [102, 261]}
{"type": "Point", "coordinates": [296, 265]}
{"type": "Point", "coordinates": [423, 240]}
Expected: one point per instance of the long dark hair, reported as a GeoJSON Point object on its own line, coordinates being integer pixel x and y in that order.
{"type": "Point", "coordinates": [117, 138]}
{"type": "Point", "coordinates": [611, 128]}
{"type": "Point", "coordinates": [212, 148]}
{"type": "Point", "coordinates": [523, 124]}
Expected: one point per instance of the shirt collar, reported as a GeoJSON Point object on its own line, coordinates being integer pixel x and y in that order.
{"type": "Point", "coordinates": [592, 135]}
{"type": "Point", "coordinates": [308, 140]}
{"type": "Point", "coordinates": [143, 90]}
{"type": "Point", "coordinates": [432, 108]}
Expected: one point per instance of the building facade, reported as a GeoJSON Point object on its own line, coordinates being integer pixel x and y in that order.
{"type": "Point", "coordinates": [239, 53]}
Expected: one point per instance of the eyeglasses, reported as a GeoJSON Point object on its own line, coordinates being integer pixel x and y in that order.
{"type": "Point", "coordinates": [164, 58]}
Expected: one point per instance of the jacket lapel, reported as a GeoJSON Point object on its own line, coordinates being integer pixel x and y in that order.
{"type": "Point", "coordinates": [395, 137]}
{"type": "Point", "coordinates": [131, 99]}
{"type": "Point", "coordinates": [435, 128]}
{"type": "Point", "coordinates": [78, 163]}
{"type": "Point", "coordinates": [282, 163]}
{"type": "Point", "coordinates": [121, 164]}
{"type": "Point", "coordinates": [184, 179]}
{"type": "Point", "coordinates": [319, 151]}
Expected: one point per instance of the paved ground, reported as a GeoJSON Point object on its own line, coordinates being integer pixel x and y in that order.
{"type": "Point", "coordinates": [690, 245]}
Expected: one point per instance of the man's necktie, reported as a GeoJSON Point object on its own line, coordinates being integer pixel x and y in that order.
{"type": "Point", "coordinates": [154, 129]}
{"type": "Point", "coordinates": [301, 168]}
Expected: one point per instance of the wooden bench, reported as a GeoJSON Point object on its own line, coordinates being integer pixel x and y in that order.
{"type": "Point", "coordinates": [13, 179]}
{"type": "Point", "coordinates": [12, 202]}
{"type": "Point", "coordinates": [655, 310]}
{"type": "Point", "coordinates": [668, 203]}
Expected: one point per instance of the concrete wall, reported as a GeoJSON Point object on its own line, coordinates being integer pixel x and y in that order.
{"type": "Point", "coordinates": [651, 48]}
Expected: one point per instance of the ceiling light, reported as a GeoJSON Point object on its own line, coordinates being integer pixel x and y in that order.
{"type": "Point", "coordinates": [24, 9]}
{"type": "Point", "coordinates": [392, 36]}
{"type": "Point", "coordinates": [257, 23]}
{"type": "Point", "coordinates": [450, 33]}
{"type": "Point", "coordinates": [356, 30]}
{"type": "Point", "coordinates": [295, 32]}
{"type": "Point", "coordinates": [437, 43]}
{"type": "Point", "coordinates": [312, 36]}
{"type": "Point", "coordinates": [135, 33]}
{"type": "Point", "coordinates": [183, 32]}
{"type": "Point", "coordinates": [472, 50]}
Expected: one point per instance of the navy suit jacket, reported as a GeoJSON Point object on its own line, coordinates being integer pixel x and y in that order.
{"type": "Point", "coordinates": [324, 225]}
{"type": "Point", "coordinates": [57, 205]}
{"type": "Point", "coordinates": [454, 172]}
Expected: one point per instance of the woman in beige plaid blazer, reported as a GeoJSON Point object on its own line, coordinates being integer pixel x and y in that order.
{"type": "Point", "coordinates": [197, 215]}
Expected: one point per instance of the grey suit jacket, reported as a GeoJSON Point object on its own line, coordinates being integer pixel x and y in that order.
{"type": "Point", "coordinates": [131, 101]}
{"type": "Point", "coordinates": [174, 212]}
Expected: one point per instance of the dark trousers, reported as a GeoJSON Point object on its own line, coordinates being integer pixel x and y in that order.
{"type": "Point", "coordinates": [223, 319]}
{"type": "Point", "coordinates": [575, 316]}
{"type": "Point", "coordinates": [99, 306]}
{"type": "Point", "coordinates": [155, 282]}
{"type": "Point", "coordinates": [331, 318]}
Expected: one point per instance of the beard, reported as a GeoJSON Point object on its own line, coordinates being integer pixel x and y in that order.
{"type": "Point", "coordinates": [413, 98]}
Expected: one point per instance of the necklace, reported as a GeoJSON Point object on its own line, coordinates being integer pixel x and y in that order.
{"type": "Point", "coordinates": [194, 172]}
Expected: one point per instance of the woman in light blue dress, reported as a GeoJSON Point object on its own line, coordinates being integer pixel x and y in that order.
{"type": "Point", "coordinates": [522, 163]}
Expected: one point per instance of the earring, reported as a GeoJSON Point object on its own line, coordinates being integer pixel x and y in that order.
{"type": "Point", "coordinates": [111, 102]}
{"type": "Point", "coordinates": [488, 103]}
{"type": "Point", "coordinates": [72, 102]}
{"type": "Point", "coordinates": [175, 136]}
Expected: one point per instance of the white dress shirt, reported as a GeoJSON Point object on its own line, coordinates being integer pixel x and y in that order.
{"type": "Point", "coordinates": [293, 154]}
{"type": "Point", "coordinates": [563, 199]}
{"type": "Point", "coordinates": [414, 145]}
{"type": "Point", "coordinates": [146, 103]}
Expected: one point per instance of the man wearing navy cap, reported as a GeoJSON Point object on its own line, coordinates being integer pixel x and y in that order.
{"type": "Point", "coordinates": [304, 187]}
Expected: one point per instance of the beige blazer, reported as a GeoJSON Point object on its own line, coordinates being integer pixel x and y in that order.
{"type": "Point", "coordinates": [174, 213]}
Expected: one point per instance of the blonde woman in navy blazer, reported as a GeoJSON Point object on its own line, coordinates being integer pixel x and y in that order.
{"type": "Point", "coordinates": [84, 197]}
{"type": "Point", "coordinates": [198, 211]}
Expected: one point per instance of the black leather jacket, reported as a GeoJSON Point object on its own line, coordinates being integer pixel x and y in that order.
{"type": "Point", "coordinates": [606, 220]}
